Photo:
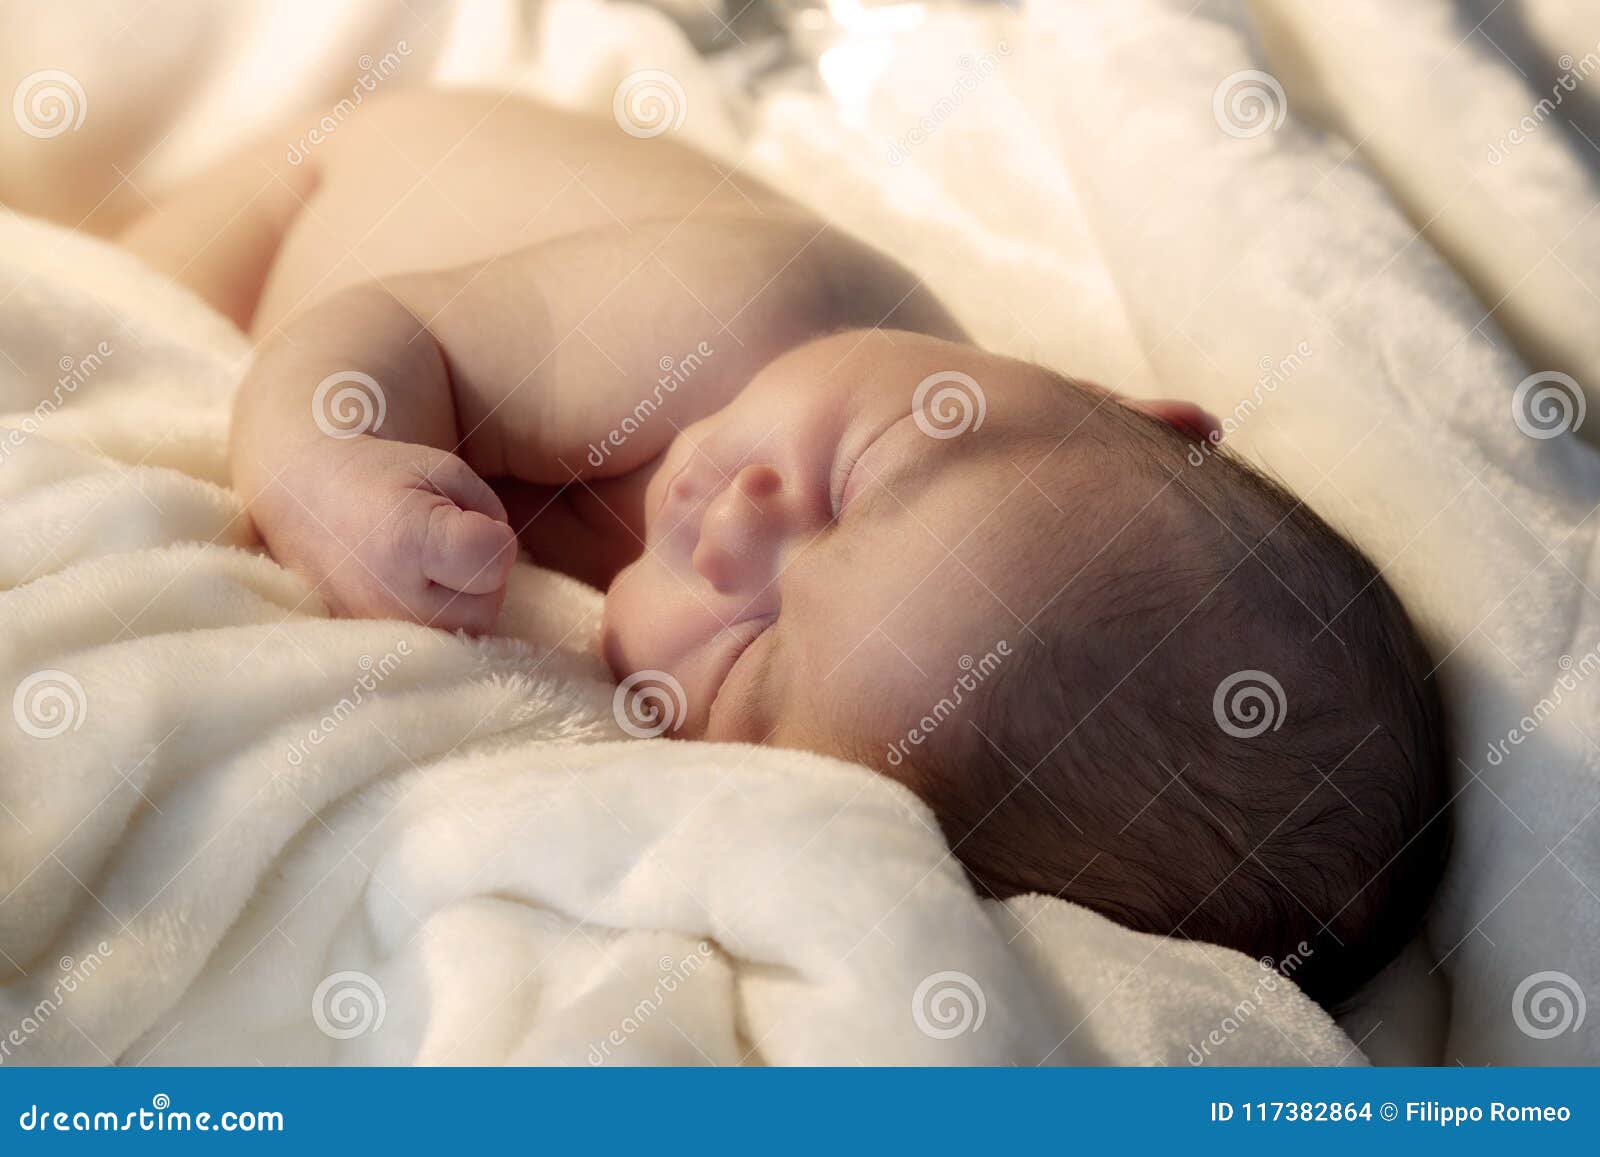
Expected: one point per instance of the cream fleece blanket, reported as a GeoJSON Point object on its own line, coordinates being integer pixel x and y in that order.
{"type": "Point", "coordinates": [1350, 280]}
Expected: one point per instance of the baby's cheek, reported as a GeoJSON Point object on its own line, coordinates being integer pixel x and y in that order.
{"type": "Point", "coordinates": [639, 620]}
{"type": "Point", "coordinates": [616, 647]}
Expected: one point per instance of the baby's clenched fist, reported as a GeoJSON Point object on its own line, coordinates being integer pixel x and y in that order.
{"type": "Point", "coordinates": [392, 530]}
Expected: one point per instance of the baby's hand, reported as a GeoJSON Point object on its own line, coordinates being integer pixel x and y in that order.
{"type": "Point", "coordinates": [393, 530]}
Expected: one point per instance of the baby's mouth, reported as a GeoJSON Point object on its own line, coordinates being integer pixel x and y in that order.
{"type": "Point", "coordinates": [742, 635]}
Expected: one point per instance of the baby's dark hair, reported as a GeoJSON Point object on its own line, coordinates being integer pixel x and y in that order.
{"type": "Point", "coordinates": [1222, 727]}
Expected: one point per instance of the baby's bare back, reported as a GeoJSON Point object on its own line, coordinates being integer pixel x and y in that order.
{"type": "Point", "coordinates": [428, 180]}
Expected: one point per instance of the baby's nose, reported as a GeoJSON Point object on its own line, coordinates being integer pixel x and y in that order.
{"type": "Point", "coordinates": [743, 531]}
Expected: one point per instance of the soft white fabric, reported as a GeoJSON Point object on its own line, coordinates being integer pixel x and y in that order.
{"type": "Point", "coordinates": [1079, 204]}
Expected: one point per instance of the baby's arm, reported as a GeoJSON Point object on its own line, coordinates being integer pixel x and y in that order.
{"type": "Point", "coordinates": [513, 368]}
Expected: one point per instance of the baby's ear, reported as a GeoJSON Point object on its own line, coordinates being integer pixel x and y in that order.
{"type": "Point", "coordinates": [1185, 417]}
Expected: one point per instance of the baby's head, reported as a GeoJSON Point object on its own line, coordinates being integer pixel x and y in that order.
{"type": "Point", "coordinates": [1168, 692]}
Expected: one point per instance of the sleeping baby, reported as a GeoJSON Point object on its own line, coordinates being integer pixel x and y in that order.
{"type": "Point", "coordinates": [811, 501]}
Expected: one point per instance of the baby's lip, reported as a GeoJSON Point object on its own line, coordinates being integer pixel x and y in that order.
{"type": "Point", "coordinates": [701, 669]}
{"type": "Point", "coordinates": [742, 635]}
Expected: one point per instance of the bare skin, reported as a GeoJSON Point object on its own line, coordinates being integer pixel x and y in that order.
{"type": "Point", "coordinates": [560, 264]}
{"type": "Point", "coordinates": [511, 282]}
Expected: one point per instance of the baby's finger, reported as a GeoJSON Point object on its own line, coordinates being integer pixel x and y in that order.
{"type": "Point", "coordinates": [467, 551]}
{"type": "Point", "coordinates": [460, 483]}
{"type": "Point", "coordinates": [356, 589]}
{"type": "Point", "coordinates": [453, 611]}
